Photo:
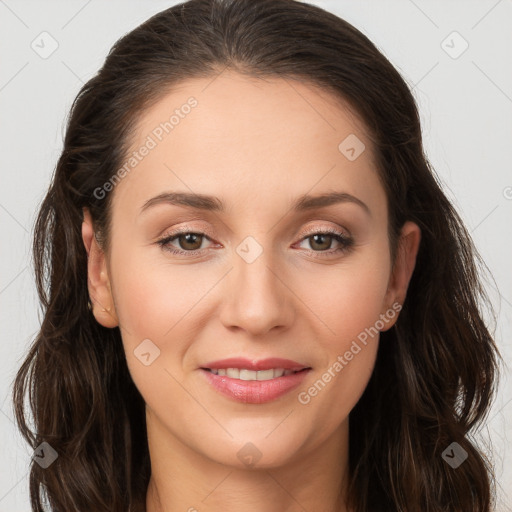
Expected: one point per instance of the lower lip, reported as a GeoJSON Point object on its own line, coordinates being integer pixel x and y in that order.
{"type": "Point", "coordinates": [255, 391]}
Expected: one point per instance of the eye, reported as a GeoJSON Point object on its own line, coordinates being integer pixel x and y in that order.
{"type": "Point", "coordinates": [189, 242]}
{"type": "Point", "coordinates": [321, 241]}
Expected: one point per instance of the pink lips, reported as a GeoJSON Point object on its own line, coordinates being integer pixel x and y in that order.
{"type": "Point", "coordinates": [252, 391]}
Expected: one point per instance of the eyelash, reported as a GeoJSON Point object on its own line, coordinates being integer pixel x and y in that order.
{"type": "Point", "coordinates": [346, 242]}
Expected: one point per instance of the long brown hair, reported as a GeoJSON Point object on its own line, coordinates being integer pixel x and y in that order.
{"type": "Point", "coordinates": [435, 372]}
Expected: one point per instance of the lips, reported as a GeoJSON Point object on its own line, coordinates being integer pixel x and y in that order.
{"type": "Point", "coordinates": [254, 382]}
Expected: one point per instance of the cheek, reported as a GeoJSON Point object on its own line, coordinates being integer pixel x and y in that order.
{"type": "Point", "coordinates": [152, 302]}
{"type": "Point", "coordinates": [350, 303]}
{"type": "Point", "coordinates": [165, 302]}
{"type": "Point", "coordinates": [349, 297]}
{"type": "Point", "coordinates": [153, 293]}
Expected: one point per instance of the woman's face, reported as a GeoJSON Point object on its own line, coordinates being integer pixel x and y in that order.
{"type": "Point", "coordinates": [266, 270]}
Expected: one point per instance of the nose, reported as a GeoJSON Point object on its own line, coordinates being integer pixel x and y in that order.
{"type": "Point", "coordinates": [257, 297]}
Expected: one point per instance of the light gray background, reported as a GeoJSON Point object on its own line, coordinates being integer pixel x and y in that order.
{"type": "Point", "coordinates": [465, 104]}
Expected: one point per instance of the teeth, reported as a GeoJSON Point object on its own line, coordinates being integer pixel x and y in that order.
{"type": "Point", "coordinates": [234, 373]}
{"type": "Point", "coordinates": [243, 374]}
{"type": "Point", "coordinates": [248, 375]}
{"type": "Point", "coordinates": [264, 375]}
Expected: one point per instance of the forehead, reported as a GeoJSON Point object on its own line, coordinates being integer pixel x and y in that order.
{"type": "Point", "coordinates": [275, 110]}
{"type": "Point", "coordinates": [238, 137]}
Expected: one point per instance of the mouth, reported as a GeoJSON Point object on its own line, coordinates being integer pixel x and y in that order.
{"type": "Point", "coordinates": [254, 382]}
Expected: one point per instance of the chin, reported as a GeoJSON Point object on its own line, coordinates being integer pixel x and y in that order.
{"type": "Point", "coordinates": [256, 451]}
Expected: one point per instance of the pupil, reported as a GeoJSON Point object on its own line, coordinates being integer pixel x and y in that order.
{"type": "Point", "coordinates": [315, 240]}
{"type": "Point", "coordinates": [190, 238]}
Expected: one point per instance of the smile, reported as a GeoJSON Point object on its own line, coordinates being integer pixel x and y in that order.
{"type": "Point", "coordinates": [244, 374]}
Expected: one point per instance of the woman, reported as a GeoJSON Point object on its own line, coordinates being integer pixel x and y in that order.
{"type": "Point", "coordinates": [319, 344]}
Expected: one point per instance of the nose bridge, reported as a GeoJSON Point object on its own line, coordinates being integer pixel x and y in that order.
{"type": "Point", "coordinates": [256, 299]}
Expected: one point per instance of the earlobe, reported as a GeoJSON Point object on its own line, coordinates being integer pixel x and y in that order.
{"type": "Point", "coordinates": [97, 276]}
{"type": "Point", "coordinates": [403, 268]}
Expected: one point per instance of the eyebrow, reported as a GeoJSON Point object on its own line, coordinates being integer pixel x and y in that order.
{"type": "Point", "coordinates": [214, 204]}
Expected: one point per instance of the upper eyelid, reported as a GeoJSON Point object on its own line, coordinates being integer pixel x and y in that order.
{"type": "Point", "coordinates": [330, 229]}
{"type": "Point", "coordinates": [202, 231]}
{"type": "Point", "coordinates": [186, 228]}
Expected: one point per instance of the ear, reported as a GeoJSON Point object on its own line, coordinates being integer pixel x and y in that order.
{"type": "Point", "coordinates": [405, 261]}
{"type": "Point", "coordinates": [97, 276]}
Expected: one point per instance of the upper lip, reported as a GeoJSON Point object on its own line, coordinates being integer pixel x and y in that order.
{"type": "Point", "coordinates": [262, 364]}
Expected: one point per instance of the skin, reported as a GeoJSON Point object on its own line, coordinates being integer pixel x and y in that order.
{"type": "Point", "coordinates": [257, 145]}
